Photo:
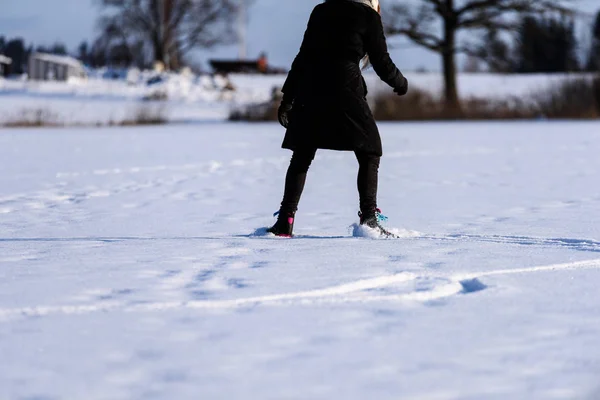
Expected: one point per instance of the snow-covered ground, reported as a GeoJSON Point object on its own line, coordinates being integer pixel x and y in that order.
{"type": "Point", "coordinates": [129, 268]}
{"type": "Point", "coordinates": [191, 98]}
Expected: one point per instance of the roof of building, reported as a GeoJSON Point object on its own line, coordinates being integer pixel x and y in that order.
{"type": "Point", "coordinates": [5, 60]}
{"type": "Point", "coordinates": [65, 60]}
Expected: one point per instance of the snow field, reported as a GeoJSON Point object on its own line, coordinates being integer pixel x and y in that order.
{"type": "Point", "coordinates": [129, 268]}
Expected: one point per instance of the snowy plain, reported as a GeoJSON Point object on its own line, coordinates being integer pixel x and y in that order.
{"type": "Point", "coordinates": [129, 268]}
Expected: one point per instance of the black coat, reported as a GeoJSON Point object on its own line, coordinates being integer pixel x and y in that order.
{"type": "Point", "coordinates": [330, 109]}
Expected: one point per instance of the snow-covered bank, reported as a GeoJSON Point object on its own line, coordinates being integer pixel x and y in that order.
{"type": "Point", "coordinates": [191, 98]}
{"type": "Point", "coordinates": [108, 102]}
{"type": "Point", "coordinates": [128, 269]}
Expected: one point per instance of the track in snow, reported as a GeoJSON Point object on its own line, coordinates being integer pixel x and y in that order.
{"type": "Point", "coordinates": [567, 243]}
{"type": "Point", "coordinates": [351, 292]}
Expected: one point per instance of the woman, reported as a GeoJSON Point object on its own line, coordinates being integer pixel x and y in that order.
{"type": "Point", "coordinates": [324, 102]}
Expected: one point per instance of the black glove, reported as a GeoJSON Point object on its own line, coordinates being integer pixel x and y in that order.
{"type": "Point", "coordinates": [283, 114]}
{"type": "Point", "coordinates": [403, 89]}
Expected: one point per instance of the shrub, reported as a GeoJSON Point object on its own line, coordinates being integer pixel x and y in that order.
{"type": "Point", "coordinates": [255, 112]}
{"type": "Point", "coordinates": [416, 105]}
{"type": "Point", "coordinates": [32, 118]}
{"type": "Point", "coordinates": [422, 106]}
{"type": "Point", "coordinates": [157, 95]}
{"type": "Point", "coordinates": [574, 99]}
{"type": "Point", "coordinates": [147, 114]}
{"type": "Point", "coordinates": [258, 112]}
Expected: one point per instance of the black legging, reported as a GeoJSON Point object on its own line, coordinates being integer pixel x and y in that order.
{"type": "Point", "coordinates": [296, 177]}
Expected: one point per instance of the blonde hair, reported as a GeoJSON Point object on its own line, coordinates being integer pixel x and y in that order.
{"type": "Point", "coordinates": [365, 62]}
{"type": "Point", "coordinates": [376, 5]}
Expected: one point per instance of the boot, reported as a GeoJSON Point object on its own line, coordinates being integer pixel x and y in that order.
{"type": "Point", "coordinates": [373, 220]}
{"type": "Point", "coordinates": [284, 227]}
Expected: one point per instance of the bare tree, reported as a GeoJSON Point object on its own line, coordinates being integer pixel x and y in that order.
{"type": "Point", "coordinates": [495, 52]}
{"type": "Point", "coordinates": [435, 24]}
{"type": "Point", "coordinates": [170, 28]}
{"type": "Point", "coordinates": [593, 63]}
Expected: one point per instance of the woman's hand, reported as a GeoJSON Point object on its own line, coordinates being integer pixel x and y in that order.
{"type": "Point", "coordinates": [402, 90]}
{"type": "Point", "coordinates": [283, 114]}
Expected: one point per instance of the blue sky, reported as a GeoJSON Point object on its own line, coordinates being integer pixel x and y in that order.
{"type": "Point", "coordinates": [276, 26]}
{"type": "Point", "coordinates": [47, 21]}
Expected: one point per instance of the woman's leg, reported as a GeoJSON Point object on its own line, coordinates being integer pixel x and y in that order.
{"type": "Point", "coordinates": [368, 178]}
{"type": "Point", "coordinates": [295, 179]}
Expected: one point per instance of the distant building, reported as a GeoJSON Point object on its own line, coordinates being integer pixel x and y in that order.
{"type": "Point", "coordinates": [5, 63]}
{"type": "Point", "coordinates": [50, 67]}
{"type": "Point", "coordinates": [259, 66]}
{"type": "Point", "coordinates": [262, 64]}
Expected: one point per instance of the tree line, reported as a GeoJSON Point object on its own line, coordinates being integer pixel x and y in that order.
{"type": "Point", "coordinates": [546, 44]}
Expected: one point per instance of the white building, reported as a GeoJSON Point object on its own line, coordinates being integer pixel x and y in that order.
{"type": "Point", "coordinates": [50, 67]}
{"type": "Point", "coordinates": [4, 64]}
